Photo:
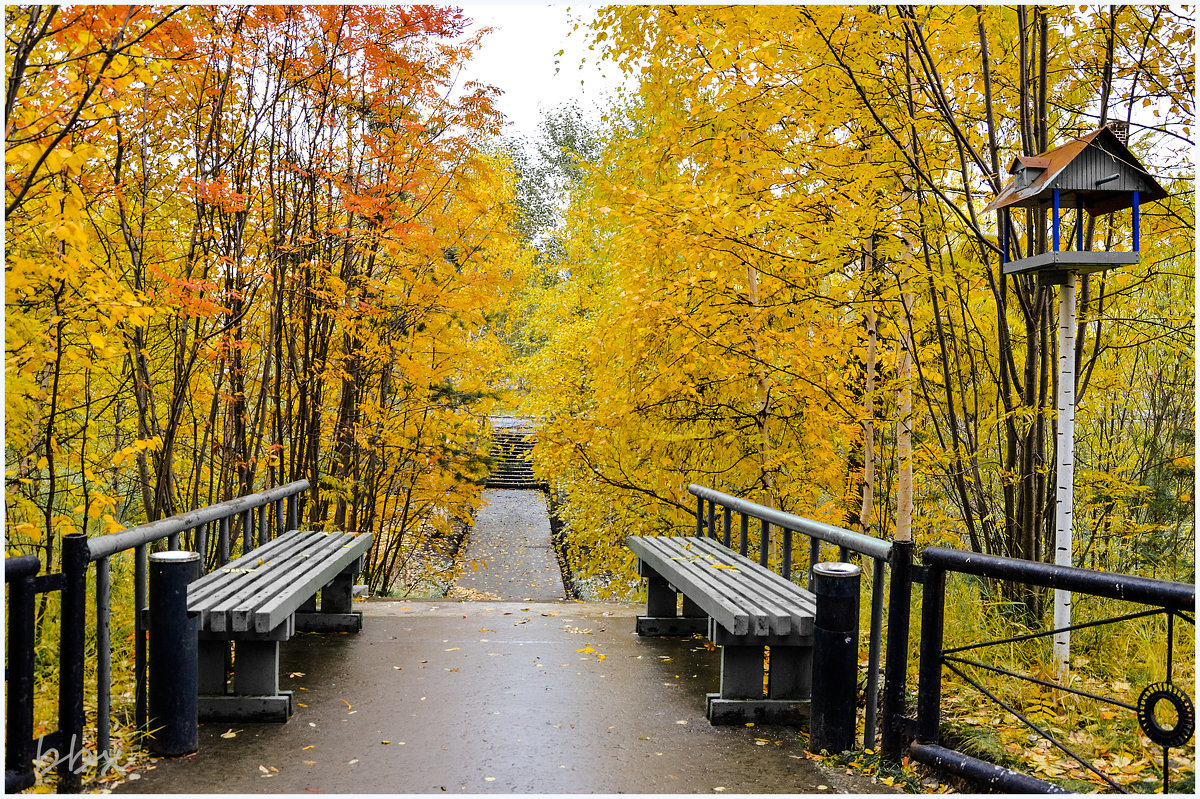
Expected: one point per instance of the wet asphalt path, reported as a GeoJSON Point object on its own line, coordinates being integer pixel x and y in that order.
{"type": "Point", "coordinates": [494, 697]}
{"type": "Point", "coordinates": [509, 554]}
{"type": "Point", "coordinates": [528, 696]}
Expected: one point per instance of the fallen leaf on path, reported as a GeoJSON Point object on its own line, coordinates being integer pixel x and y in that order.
{"type": "Point", "coordinates": [230, 733]}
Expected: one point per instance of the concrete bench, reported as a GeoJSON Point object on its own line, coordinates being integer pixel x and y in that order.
{"type": "Point", "coordinates": [263, 598]}
{"type": "Point", "coordinates": [745, 609]}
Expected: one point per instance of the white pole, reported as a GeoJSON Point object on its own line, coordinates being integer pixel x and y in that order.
{"type": "Point", "coordinates": [1066, 468]}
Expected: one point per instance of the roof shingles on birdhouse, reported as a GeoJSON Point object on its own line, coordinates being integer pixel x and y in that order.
{"type": "Point", "coordinates": [1095, 173]}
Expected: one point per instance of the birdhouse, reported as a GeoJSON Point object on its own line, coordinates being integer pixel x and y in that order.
{"type": "Point", "coordinates": [1096, 174]}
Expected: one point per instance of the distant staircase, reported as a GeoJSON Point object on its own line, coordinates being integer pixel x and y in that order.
{"type": "Point", "coordinates": [511, 467]}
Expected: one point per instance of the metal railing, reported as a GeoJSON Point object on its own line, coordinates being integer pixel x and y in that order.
{"type": "Point", "coordinates": [846, 541]}
{"type": "Point", "coordinates": [1175, 600]}
{"type": "Point", "coordinates": [23, 585]}
{"type": "Point", "coordinates": [256, 512]}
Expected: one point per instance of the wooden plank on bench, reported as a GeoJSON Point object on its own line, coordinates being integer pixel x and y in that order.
{"type": "Point", "coordinates": [295, 576]}
{"type": "Point", "coordinates": [665, 557]}
{"type": "Point", "coordinates": [737, 593]}
{"type": "Point", "coordinates": [206, 592]}
{"type": "Point", "coordinates": [773, 592]}
{"type": "Point", "coordinates": [749, 607]}
{"type": "Point", "coordinates": [283, 576]}
{"type": "Point", "coordinates": [321, 573]}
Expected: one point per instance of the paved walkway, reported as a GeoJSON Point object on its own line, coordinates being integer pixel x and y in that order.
{"type": "Point", "coordinates": [495, 697]}
{"type": "Point", "coordinates": [528, 696]}
{"type": "Point", "coordinates": [509, 555]}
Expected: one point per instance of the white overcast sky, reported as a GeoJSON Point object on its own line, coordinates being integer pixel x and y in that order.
{"type": "Point", "coordinates": [519, 58]}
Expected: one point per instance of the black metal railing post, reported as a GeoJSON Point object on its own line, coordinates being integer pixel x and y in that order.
{"type": "Point", "coordinates": [72, 639]}
{"type": "Point", "coordinates": [895, 669]}
{"type": "Point", "coordinates": [929, 676]}
{"type": "Point", "coordinates": [835, 657]}
{"type": "Point", "coordinates": [870, 714]}
{"type": "Point", "coordinates": [140, 554]}
{"type": "Point", "coordinates": [18, 699]}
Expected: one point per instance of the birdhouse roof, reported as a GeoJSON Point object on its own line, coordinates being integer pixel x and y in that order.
{"type": "Point", "coordinates": [1096, 171]}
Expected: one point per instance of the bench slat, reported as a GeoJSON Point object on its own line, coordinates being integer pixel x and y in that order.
{"type": "Point", "coordinates": [270, 578]}
{"type": "Point", "coordinates": [202, 591]}
{"type": "Point", "coordinates": [245, 574]}
{"type": "Point", "coordinates": [767, 614]}
{"type": "Point", "coordinates": [773, 592]}
{"type": "Point", "coordinates": [226, 599]}
{"type": "Point", "coordinates": [285, 575]}
{"type": "Point", "coordinates": [285, 604]}
{"type": "Point", "coordinates": [772, 587]}
{"type": "Point", "coordinates": [672, 564]}
{"type": "Point", "coordinates": [744, 599]}
{"type": "Point", "coordinates": [210, 595]}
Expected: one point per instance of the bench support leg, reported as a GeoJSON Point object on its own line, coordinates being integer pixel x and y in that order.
{"type": "Point", "coordinates": [256, 695]}
{"type": "Point", "coordinates": [337, 597]}
{"type": "Point", "coordinates": [742, 699]}
{"type": "Point", "coordinates": [336, 614]}
{"type": "Point", "coordinates": [790, 675]}
{"type": "Point", "coordinates": [741, 672]}
{"type": "Point", "coordinates": [213, 667]}
{"type": "Point", "coordinates": [662, 614]}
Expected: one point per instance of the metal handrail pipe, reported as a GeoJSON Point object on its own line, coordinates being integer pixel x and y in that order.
{"type": "Point", "coordinates": [1146, 590]}
{"type": "Point", "coordinates": [994, 777]}
{"type": "Point", "coordinates": [857, 542]}
{"type": "Point", "coordinates": [21, 566]}
{"type": "Point", "coordinates": [105, 545]}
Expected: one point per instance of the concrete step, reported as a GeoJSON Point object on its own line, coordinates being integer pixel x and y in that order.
{"type": "Point", "coordinates": [511, 468]}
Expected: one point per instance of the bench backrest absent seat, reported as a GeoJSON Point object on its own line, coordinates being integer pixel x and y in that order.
{"type": "Point", "coordinates": [734, 591]}
{"type": "Point", "coordinates": [260, 591]}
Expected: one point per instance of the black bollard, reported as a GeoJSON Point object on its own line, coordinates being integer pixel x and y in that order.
{"type": "Point", "coordinates": [835, 657]}
{"type": "Point", "coordinates": [173, 678]}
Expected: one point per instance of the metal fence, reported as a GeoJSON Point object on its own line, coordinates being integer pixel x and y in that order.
{"type": "Point", "coordinates": [23, 585]}
{"type": "Point", "coordinates": [1174, 600]}
{"type": "Point", "coordinates": [263, 516]}
{"type": "Point", "coordinates": [919, 735]}
{"type": "Point", "coordinates": [818, 533]}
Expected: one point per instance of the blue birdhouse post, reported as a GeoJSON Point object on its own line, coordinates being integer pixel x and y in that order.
{"type": "Point", "coordinates": [1094, 174]}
